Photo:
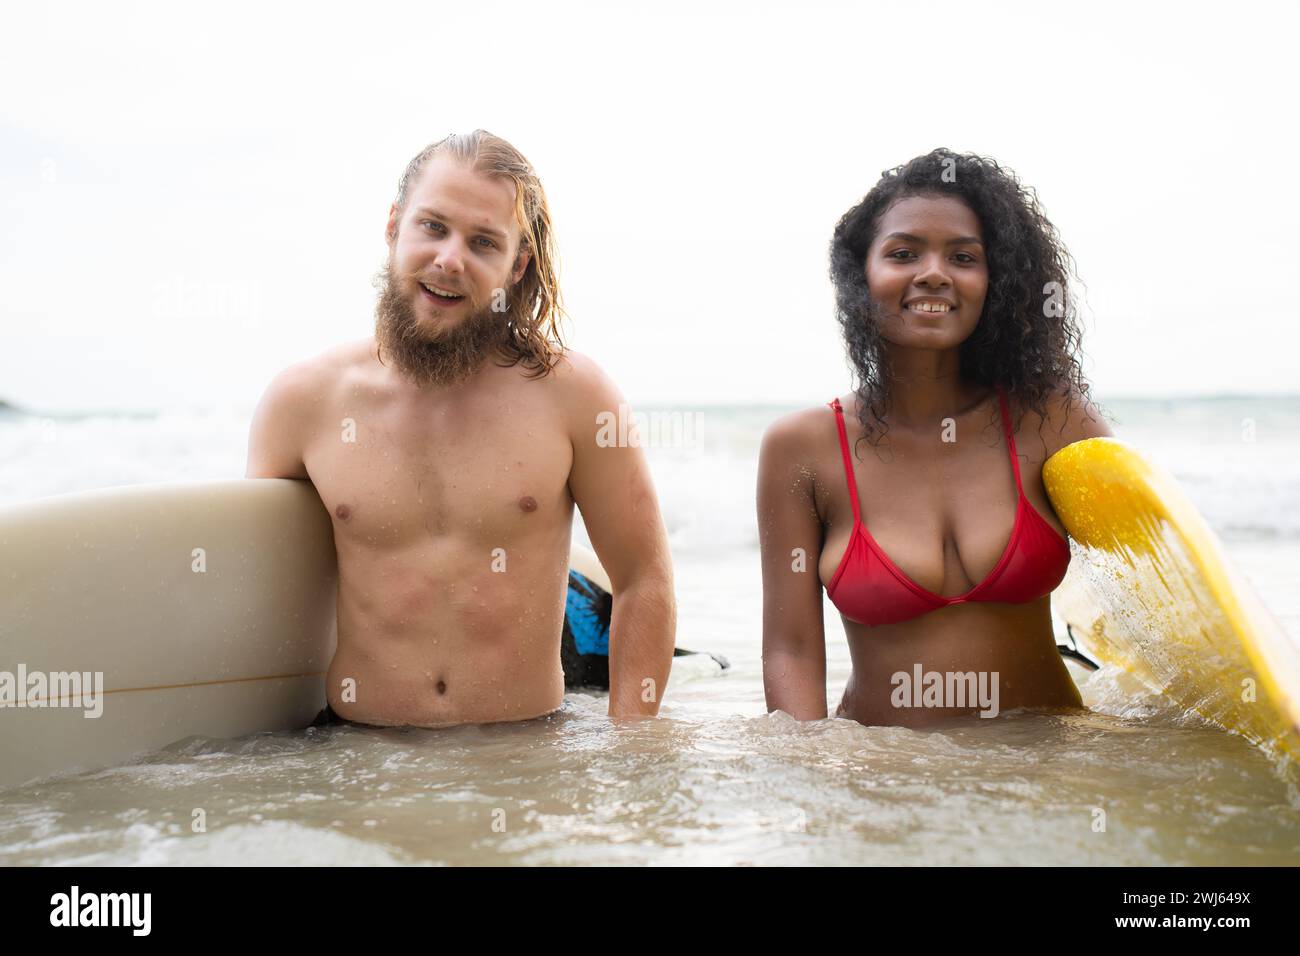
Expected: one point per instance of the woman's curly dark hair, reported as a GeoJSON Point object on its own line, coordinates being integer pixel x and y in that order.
{"type": "Point", "coordinates": [1028, 334]}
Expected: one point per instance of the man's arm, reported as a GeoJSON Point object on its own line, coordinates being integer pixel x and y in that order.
{"type": "Point", "coordinates": [275, 437]}
{"type": "Point", "coordinates": [611, 484]}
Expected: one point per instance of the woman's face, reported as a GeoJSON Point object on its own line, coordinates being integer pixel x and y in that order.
{"type": "Point", "coordinates": [928, 250]}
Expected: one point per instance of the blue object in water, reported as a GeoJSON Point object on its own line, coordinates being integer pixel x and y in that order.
{"type": "Point", "coordinates": [586, 612]}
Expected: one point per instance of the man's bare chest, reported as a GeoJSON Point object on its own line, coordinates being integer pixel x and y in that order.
{"type": "Point", "coordinates": [394, 477]}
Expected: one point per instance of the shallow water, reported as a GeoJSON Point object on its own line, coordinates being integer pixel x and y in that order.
{"type": "Point", "coordinates": [715, 780]}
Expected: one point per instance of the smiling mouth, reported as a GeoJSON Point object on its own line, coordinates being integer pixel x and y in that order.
{"type": "Point", "coordinates": [440, 297]}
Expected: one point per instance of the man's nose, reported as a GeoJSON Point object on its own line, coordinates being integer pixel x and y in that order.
{"type": "Point", "coordinates": [451, 255]}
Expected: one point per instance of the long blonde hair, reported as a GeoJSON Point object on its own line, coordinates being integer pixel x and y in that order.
{"type": "Point", "coordinates": [534, 311]}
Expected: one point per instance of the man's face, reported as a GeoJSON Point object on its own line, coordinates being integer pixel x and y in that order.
{"type": "Point", "coordinates": [457, 235]}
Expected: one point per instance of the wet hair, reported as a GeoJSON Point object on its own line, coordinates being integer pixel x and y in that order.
{"type": "Point", "coordinates": [1028, 335]}
{"type": "Point", "coordinates": [534, 310]}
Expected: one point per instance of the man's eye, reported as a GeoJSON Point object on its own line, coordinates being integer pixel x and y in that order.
{"type": "Point", "coordinates": [490, 244]}
{"type": "Point", "coordinates": [433, 225]}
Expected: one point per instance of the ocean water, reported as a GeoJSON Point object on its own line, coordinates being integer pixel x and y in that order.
{"type": "Point", "coordinates": [716, 779]}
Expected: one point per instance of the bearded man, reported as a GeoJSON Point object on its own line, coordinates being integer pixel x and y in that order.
{"type": "Point", "coordinates": [450, 450]}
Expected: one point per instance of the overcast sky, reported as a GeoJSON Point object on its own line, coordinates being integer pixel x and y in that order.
{"type": "Point", "coordinates": [194, 196]}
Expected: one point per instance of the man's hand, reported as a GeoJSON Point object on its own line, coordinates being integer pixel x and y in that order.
{"type": "Point", "coordinates": [610, 482]}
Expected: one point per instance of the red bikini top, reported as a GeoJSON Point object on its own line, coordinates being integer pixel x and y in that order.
{"type": "Point", "coordinates": [870, 589]}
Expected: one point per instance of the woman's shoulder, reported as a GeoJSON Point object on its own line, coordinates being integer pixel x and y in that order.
{"type": "Point", "coordinates": [800, 432]}
{"type": "Point", "coordinates": [1069, 416]}
{"type": "Point", "coordinates": [799, 445]}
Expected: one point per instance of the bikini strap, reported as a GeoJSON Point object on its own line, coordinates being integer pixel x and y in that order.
{"type": "Point", "coordinates": [1011, 439]}
{"type": "Point", "coordinates": [848, 461]}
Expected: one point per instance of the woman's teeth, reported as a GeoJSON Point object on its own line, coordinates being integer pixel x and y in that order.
{"type": "Point", "coordinates": [929, 307]}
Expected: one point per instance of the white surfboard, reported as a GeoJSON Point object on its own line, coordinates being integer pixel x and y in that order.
{"type": "Point", "coordinates": [205, 607]}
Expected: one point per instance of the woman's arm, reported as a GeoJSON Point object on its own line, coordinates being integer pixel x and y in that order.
{"type": "Point", "coordinates": [790, 538]}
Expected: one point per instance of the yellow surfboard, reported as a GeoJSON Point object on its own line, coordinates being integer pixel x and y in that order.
{"type": "Point", "coordinates": [1151, 590]}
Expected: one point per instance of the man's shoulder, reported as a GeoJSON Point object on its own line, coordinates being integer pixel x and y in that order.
{"type": "Point", "coordinates": [325, 370]}
{"type": "Point", "coordinates": [311, 383]}
{"type": "Point", "coordinates": [580, 391]}
{"type": "Point", "coordinates": [357, 355]}
{"type": "Point", "coordinates": [574, 368]}
{"type": "Point", "coordinates": [290, 411]}
{"type": "Point", "coordinates": [576, 376]}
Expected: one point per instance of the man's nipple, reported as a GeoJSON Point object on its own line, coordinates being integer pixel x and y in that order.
{"type": "Point", "coordinates": [343, 512]}
{"type": "Point", "coordinates": [527, 503]}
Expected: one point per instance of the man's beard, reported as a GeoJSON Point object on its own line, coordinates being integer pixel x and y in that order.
{"type": "Point", "coordinates": [427, 355]}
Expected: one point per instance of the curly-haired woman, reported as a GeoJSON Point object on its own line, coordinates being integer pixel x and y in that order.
{"type": "Point", "coordinates": [917, 499]}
